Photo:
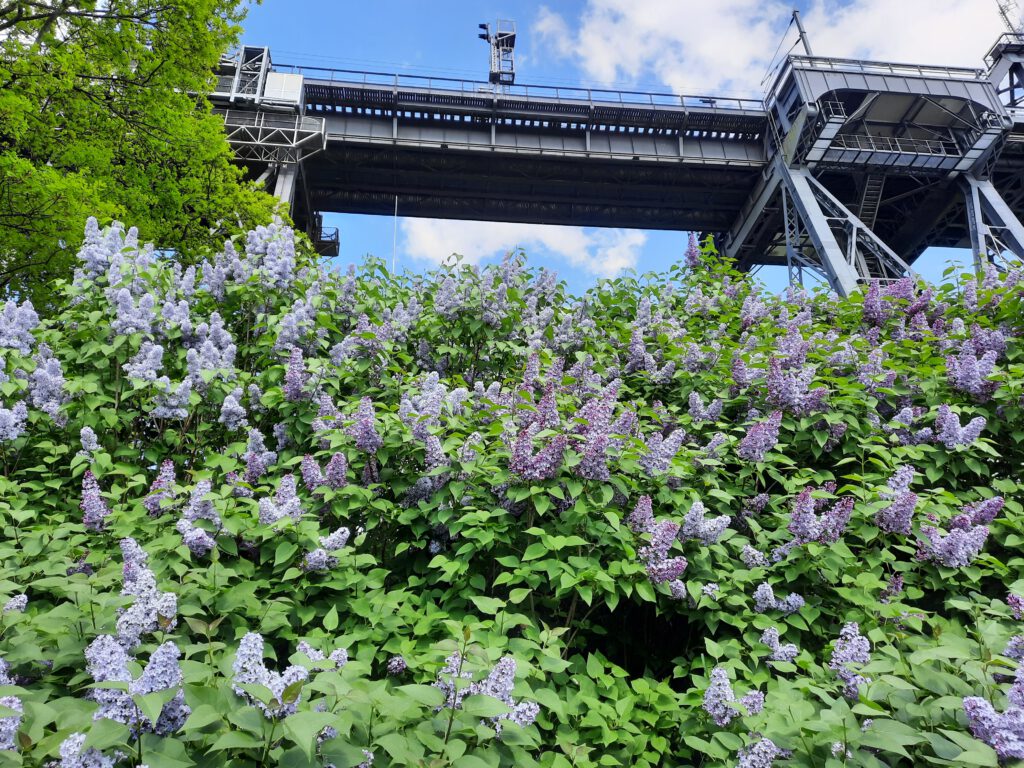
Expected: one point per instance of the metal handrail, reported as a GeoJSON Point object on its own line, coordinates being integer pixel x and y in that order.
{"type": "Point", "coordinates": [890, 68]}
{"type": "Point", "coordinates": [545, 92]}
{"type": "Point", "coordinates": [895, 144]}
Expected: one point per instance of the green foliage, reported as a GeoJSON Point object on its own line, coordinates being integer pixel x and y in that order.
{"type": "Point", "coordinates": [103, 112]}
{"type": "Point", "coordinates": [463, 557]}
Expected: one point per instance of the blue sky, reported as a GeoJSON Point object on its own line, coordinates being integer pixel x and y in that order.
{"type": "Point", "coordinates": [677, 45]}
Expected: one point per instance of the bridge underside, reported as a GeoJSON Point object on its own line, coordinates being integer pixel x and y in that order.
{"type": "Point", "coordinates": [493, 186]}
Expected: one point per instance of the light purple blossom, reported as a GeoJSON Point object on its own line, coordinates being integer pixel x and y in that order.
{"type": "Point", "coordinates": [46, 384]}
{"type": "Point", "coordinates": [719, 699]}
{"type": "Point", "coordinates": [970, 374]}
{"type": "Point", "coordinates": [10, 724]}
{"type": "Point", "coordinates": [17, 321]}
{"type": "Point", "coordinates": [87, 437]}
{"type": "Point", "coordinates": [232, 413]}
{"type": "Point", "coordinates": [12, 421]}
{"type": "Point", "coordinates": [249, 669]}
{"type": "Point", "coordinates": [956, 549]}
{"type": "Point", "coordinates": [542, 465]}
{"type": "Point", "coordinates": [851, 648]}
{"type": "Point", "coordinates": [761, 754]}
{"type": "Point", "coordinates": [661, 451]}
{"type": "Point", "coordinates": [257, 458]}
{"type": "Point", "coordinates": [897, 516]}
{"type": "Point", "coordinates": [72, 754]}
{"type": "Point", "coordinates": [696, 525]}
{"type": "Point", "coordinates": [295, 376]}
{"type": "Point", "coordinates": [1003, 732]}
{"type": "Point", "coordinates": [94, 507]}
{"type": "Point", "coordinates": [1016, 603]}
{"type": "Point", "coordinates": [790, 390]}
{"type": "Point", "coordinates": [699, 412]}
{"type": "Point", "coordinates": [172, 402]}
{"type": "Point", "coordinates": [16, 604]}
{"type": "Point", "coordinates": [161, 490]}
{"type": "Point", "coordinates": [765, 600]}
{"type": "Point", "coordinates": [146, 363]}
{"type": "Point", "coordinates": [760, 438]}
{"type": "Point", "coordinates": [780, 651]}
{"type": "Point", "coordinates": [285, 503]}
{"type": "Point", "coordinates": [396, 666]}
{"type": "Point", "coordinates": [364, 428]}
{"type": "Point", "coordinates": [949, 432]}
{"type": "Point", "coordinates": [753, 557]}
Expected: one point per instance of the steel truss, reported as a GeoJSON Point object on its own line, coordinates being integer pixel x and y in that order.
{"type": "Point", "coordinates": [273, 137]}
{"type": "Point", "coordinates": [823, 235]}
{"type": "Point", "coordinates": [994, 229]}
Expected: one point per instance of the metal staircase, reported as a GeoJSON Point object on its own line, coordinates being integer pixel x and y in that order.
{"type": "Point", "coordinates": [870, 199]}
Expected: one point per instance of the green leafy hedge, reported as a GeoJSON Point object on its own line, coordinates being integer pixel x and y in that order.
{"type": "Point", "coordinates": [575, 527]}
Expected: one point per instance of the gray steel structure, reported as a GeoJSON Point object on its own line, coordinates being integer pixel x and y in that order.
{"type": "Point", "coordinates": [847, 168]}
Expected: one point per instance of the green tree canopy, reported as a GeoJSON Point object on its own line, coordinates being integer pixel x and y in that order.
{"type": "Point", "coordinates": [103, 112]}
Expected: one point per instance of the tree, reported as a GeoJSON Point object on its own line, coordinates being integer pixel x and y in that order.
{"type": "Point", "coordinates": [103, 112]}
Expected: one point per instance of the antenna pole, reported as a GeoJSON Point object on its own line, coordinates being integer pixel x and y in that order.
{"type": "Point", "coordinates": [803, 33]}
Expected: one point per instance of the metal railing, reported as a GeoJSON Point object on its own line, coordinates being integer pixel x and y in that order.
{"type": "Point", "coordinates": [895, 144]}
{"type": "Point", "coordinates": [477, 88]}
{"type": "Point", "coordinates": [887, 68]}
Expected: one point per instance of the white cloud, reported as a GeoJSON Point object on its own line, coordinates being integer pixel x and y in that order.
{"type": "Point", "coordinates": [724, 47]}
{"type": "Point", "coordinates": [600, 252]}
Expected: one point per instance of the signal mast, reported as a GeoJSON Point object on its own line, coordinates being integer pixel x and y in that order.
{"type": "Point", "coordinates": [502, 40]}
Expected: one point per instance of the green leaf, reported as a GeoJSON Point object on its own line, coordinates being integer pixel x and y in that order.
{"type": "Point", "coordinates": [303, 727]}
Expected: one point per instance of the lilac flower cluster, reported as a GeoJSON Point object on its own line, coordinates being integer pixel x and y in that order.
{"type": "Point", "coordinates": [232, 412]}
{"type": "Point", "coordinates": [956, 549]}
{"type": "Point", "coordinates": [970, 374]}
{"type": "Point", "coordinates": [12, 421]}
{"type": "Point", "coordinates": [807, 525]}
{"type": "Point", "coordinates": [10, 724]}
{"type": "Point", "coordinates": [151, 609]}
{"type": "Point", "coordinates": [898, 516]}
{"type": "Point", "coordinates": [161, 490]}
{"type": "Point", "coordinates": [660, 451]}
{"type": "Point", "coordinates": [396, 666]}
{"type": "Point", "coordinates": [542, 464]}
{"type": "Point", "coordinates": [596, 428]}
{"type": "Point", "coordinates": [790, 390]}
{"type": "Point", "coordinates": [249, 669]}
{"type": "Point", "coordinates": [699, 412]}
{"type": "Point", "coordinates": [761, 754]}
{"type": "Point", "coordinates": [146, 363]}
{"type": "Point", "coordinates": [94, 507]}
{"type": "Point", "coordinates": [951, 434]}
{"type": "Point", "coordinates": [285, 503]}
{"type": "Point", "coordinates": [497, 684]}
{"type": "Point", "coordinates": [1004, 732]}
{"type": "Point", "coordinates": [47, 385]}
{"type": "Point", "coordinates": [849, 649]}
{"type": "Point", "coordinates": [720, 700]}
{"type": "Point", "coordinates": [172, 402]}
{"type": "Point", "coordinates": [697, 526]}
{"type": "Point", "coordinates": [257, 458]}
{"type": "Point", "coordinates": [72, 754]}
{"type": "Point", "coordinates": [16, 604]}
{"type": "Point", "coordinates": [765, 600]}
{"type": "Point", "coordinates": [1016, 603]}
{"type": "Point", "coordinates": [780, 651]}
{"type": "Point", "coordinates": [660, 567]}
{"type": "Point", "coordinates": [321, 559]}
{"type": "Point", "coordinates": [760, 438]}
{"type": "Point", "coordinates": [199, 541]}
{"type": "Point", "coordinates": [295, 376]}
{"type": "Point", "coordinates": [17, 321]}
{"type": "Point", "coordinates": [364, 428]}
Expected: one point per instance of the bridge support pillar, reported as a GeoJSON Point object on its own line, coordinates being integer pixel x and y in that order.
{"type": "Point", "coordinates": [993, 226]}
{"type": "Point", "coordinates": [822, 234]}
{"type": "Point", "coordinates": [284, 187]}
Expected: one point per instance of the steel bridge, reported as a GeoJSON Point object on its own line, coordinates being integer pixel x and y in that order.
{"type": "Point", "coordinates": [847, 168]}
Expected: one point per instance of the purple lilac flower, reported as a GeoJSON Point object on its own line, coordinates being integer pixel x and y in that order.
{"type": "Point", "coordinates": [285, 503]}
{"type": "Point", "coordinates": [780, 651]}
{"type": "Point", "coordinates": [257, 458]}
{"type": "Point", "coordinates": [761, 754]}
{"type": "Point", "coordinates": [760, 438]}
{"type": "Point", "coordinates": [697, 526]}
{"type": "Point", "coordinates": [661, 451]}
{"type": "Point", "coordinates": [641, 519]}
{"type": "Point", "coordinates": [956, 549]}
{"type": "Point", "coordinates": [46, 384]}
{"type": "Point", "coordinates": [765, 600]}
{"type": "Point", "coordinates": [17, 321]}
{"type": "Point", "coordinates": [447, 681]}
{"type": "Point", "coordinates": [985, 511]}
{"type": "Point", "coordinates": [893, 588]}
{"type": "Point", "coordinates": [850, 648]}
{"type": "Point", "coordinates": [107, 662]}
{"type": "Point", "coordinates": [364, 429]}
{"type": "Point", "coordinates": [73, 756]}
{"type": "Point", "coordinates": [1015, 648]}
{"type": "Point", "coordinates": [692, 255]}
{"type": "Point", "coordinates": [131, 316]}
{"type": "Point", "coordinates": [199, 542]}
{"type": "Point", "coordinates": [161, 490]}
{"type": "Point", "coordinates": [949, 432]}
{"type": "Point", "coordinates": [542, 465]}
{"type": "Point", "coordinates": [790, 390]}
{"type": "Point", "coordinates": [312, 475]}
{"type": "Point", "coordinates": [875, 309]}
{"type": "Point", "coordinates": [12, 421]}
{"type": "Point", "coordinates": [396, 666]}
{"type": "Point", "coordinates": [16, 604]}
{"type": "Point", "coordinates": [146, 363]}
{"type": "Point", "coordinates": [339, 656]}
{"type": "Point", "coordinates": [335, 540]}
{"type": "Point", "coordinates": [9, 725]}
{"type": "Point", "coordinates": [295, 376]}
{"type": "Point", "coordinates": [249, 669]}
{"type": "Point", "coordinates": [94, 508]}
{"type": "Point", "coordinates": [318, 559]}
{"type": "Point", "coordinates": [719, 699]}
{"type": "Point", "coordinates": [753, 702]}
{"type": "Point", "coordinates": [753, 558]}
{"type": "Point", "coordinates": [336, 473]}
{"type": "Point", "coordinates": [1016, 603]}
{"type": "Point", "coordinates": [753, 311]}
{"type": "Point", "coordinates": [87, 437]}
{"type": "Point", "coordinates": [699, 412]}
{"type": "Point", "coordinates": [232, 413]}
{"type": "Point", "coordinates": [162, 673]}
{"type": "Point", "coordinates": [898, 516]}
{"type": "Point", "coordinates": [1003, 732]}
{"type": "Point", "coordinates": [151, 609]}
{"type": "Point", "coordinates": [172, 401]}
{"type": "Point", "coordinates": [970, 374]}
{"type": "Point", "coordinates": [327, 417]}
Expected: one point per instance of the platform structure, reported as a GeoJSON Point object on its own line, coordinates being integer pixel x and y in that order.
{"type": "Point", "coordinates": [848, 168]}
